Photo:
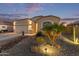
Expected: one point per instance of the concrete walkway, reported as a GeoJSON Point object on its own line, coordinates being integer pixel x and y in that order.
{"type": "Point", "coordinates": [68, 40]}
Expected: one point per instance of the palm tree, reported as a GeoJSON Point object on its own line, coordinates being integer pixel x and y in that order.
{"type": "Point", "coordinates": [47, 30]}
{"type": "Point", "coordinates": [53, 31]}
{"type": "Point", "coordinates": [57, 29]}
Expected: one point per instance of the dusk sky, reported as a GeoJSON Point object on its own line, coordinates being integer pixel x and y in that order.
{"type": "Point", "coordinates": [32, 9]}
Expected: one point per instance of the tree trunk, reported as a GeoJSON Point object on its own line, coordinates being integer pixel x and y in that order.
{"type": "Point", "coordinates": [49, 36]}
{"type": "Point", "coordinates": [55, 36]}
{"type": "Point", "coordinates": [54, 39]}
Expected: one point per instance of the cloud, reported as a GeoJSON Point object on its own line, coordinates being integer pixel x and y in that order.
{"type": "Point", "coordinates": [76, 13]}
{"type": "Point", "coordinates": [12, 16]}
{"type": "Point", "coordinates": [34, 7]}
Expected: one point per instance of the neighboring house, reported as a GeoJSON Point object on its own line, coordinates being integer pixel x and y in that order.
{"type": "Point", "coordinates": [76, 24]}
{"type": "Point", "coordinates": [30, 26]}
{"type": "Point", "coordinates": [6, 26]}
{"type": "Point", "coordinates": [70, 21]}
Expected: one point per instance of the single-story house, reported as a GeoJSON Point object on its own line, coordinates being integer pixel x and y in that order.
{"type": "Point", "coordinates": [30, 26]}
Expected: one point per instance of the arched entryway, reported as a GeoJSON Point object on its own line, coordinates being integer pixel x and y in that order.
{"type": "Point", "coordinates": [47, 22]}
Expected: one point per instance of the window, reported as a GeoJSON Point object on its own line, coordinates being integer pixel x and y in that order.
{"type": "Point", "coordinates": [29, 27]}
{"type": "Point", "coordinates": [30, 22]}
{"type": "Point", "coordinates": [3, 26]}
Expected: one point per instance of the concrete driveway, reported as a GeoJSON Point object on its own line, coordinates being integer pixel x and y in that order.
{"type": "Point", "coordinates": [8, 37]}
{"type": "Point", "coordinates": [5, 36]}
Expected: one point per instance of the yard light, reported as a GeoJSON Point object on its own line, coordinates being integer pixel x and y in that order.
{"type": "Point", "coordinates": [48, 50]}
{"type": "Point", "coordinates": [14, 27]}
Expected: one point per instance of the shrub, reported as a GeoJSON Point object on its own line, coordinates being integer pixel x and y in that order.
{"type": "Point", "coordinates": [39, 34]}
{"type": "Point", "coordinates": [40, 40]}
